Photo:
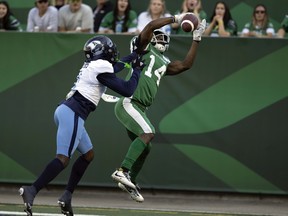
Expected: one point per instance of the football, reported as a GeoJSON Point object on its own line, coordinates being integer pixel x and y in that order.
{"type": "Point", "coordinates": [189, 23]}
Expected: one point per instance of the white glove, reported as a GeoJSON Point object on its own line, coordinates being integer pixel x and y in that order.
{"type": "Point", "coordinates": [199, 31]}
{"type": "Point", "coordinates": [178, 18]}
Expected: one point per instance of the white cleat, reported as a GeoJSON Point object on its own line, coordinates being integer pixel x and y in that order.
{"type": "Point", "coordinates": [134, 193]}
{"type": "Point", "coordinates": [123, 177]}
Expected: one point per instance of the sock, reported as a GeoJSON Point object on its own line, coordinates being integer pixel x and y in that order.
{"type": "Point", "coordinates": [50, 172]}
{"type": "Point", "coordinates": [135, 169]}
{"type": "Point", "coordinates": [78, 170]}
{"type": "Point", "coordinates": [135, 150]}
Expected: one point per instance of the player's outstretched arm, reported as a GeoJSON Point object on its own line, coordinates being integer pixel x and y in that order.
{"type": "Point", "coordinates": [146, 34]}
{"type": "Point", "coordinates": [178, 66]}
{"type": "Point", "coordinates": [123, 87]}
{"type": "Point", "coordinates": [124, 62]}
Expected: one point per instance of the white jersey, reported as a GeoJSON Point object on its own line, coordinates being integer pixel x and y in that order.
{"type": "Point", "coordinates": [87, 83]}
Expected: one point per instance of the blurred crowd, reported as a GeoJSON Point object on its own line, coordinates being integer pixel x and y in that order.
{"type": "Point", "coordinates": [118, 17]}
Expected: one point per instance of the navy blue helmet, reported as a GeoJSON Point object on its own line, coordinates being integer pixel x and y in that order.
{"type": "Point", "coordinates": [101, 47]}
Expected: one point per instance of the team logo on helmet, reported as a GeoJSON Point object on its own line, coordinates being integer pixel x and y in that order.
{"type": "Point", "coordinates": [101, 47]}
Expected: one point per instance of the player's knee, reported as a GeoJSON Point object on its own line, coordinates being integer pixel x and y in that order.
{"type": "Point", "coordinates": [64, 160]}
{"type": "Point", "coordinates": [89, 156]}
{"type": "Point", "coordinates": [147, 137]}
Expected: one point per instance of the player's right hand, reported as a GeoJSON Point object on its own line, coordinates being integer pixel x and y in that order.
{"type": "Point", "coordinates": [179, 17]}
{"type": "Point", "coordinates": [197, 34]}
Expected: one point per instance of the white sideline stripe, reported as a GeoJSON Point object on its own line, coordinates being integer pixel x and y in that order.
{"type": "Point", "coordinates": [39, 214]}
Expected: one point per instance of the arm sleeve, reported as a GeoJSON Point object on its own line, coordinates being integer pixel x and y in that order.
{"type": "Point", "coordinates": [142, 21]}
{"type": "Point", "coordinates": [122, 87]}
{"type": "Point", "coordinates": [61, 22]}
{"type": "Point", "coordinates": [53, 22]}
{"type": "Point", "coordinates": [106, 22]}
{"type": "Point", "coordinates": [30, 25]}
{"type": "Point", "coordinates": [126, 59]}
{"type": "Point", "coordinates": [87, 19]}
{"type": "Point", "coordinates": [284, 23]}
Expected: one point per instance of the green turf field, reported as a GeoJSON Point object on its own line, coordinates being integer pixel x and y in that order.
{"type": "Point", "coordinates": [12, 210]}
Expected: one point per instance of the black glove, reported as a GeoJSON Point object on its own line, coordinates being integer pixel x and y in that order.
{"type": "Point", "coordinates": [136, 47]}
{"type": "Point", "coordinates": [138, 62]}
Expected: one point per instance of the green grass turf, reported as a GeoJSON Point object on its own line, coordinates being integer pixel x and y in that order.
{"type": "Point", "coordinates": [109, 211]}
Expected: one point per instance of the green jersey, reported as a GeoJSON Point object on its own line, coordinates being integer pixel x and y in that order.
{"type": "Point", "coordinates": [284, 23]}
{"type": "Point", "coordinates": [130, 26]}
{"type": "Point", "coordinates": [269, 28]}
{"type": "Point", "coordinates": [148, 84]}
{"type": "Point", "coordinates": [12, 24]}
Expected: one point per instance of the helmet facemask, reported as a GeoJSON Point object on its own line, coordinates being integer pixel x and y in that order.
{"type": "Point", "coordinates": [160, 40]}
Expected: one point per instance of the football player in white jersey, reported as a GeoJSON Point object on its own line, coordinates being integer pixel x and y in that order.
{"type": "Point", "coordinates": [96, 74]}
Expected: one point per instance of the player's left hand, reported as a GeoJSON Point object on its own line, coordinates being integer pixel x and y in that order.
{"type": "Point", "coordinates": [199, 31]}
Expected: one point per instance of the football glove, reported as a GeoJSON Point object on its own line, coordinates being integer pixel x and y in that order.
{"type": "Point", "coordinates": [199, 31]}
{"type": "Point", "coordinates": [138, 62]}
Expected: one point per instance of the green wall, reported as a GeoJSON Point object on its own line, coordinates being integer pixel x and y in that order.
{"type": "Point", "coordinates": [221, 126]}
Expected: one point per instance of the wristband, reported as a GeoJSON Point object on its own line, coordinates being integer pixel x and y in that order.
{"type": "Point", "coordinates": [173, 19]}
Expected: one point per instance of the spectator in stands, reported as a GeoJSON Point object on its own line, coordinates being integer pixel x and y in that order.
{"type": "Point", "coordinates": [121, 20]}
{"type": "Point", "coordinates": [59, 3]}
{"type": "Point", "coordinates": [42, 18]}
{"type": "Point", "coordinates": [260, 26]}
{"type": "Point", "coordinates": [221, 22]}
{"type": "Point", "coordinates": [194, 6]}
{"type": "Point", "coordinates": [75, 17]}
{"type": "Point", "coordinates": [156, 9]}
{"type": "Point", "coordinates": [103, 7]}
{"type": "Point", "coordinates": [284, 27]}
{"type": "Point", "coordinates": [8, 22]}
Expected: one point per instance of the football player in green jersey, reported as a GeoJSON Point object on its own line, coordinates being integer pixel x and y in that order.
{"type": "Point", "coordinates": [130, 111]}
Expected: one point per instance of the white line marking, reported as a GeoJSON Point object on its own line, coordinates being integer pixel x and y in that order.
{"type": "Point", "coordinates": [39, 214]}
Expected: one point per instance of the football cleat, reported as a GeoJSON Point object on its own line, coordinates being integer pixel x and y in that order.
{"type": "Point", "coordinates": [123, 177]}
{"type": "Point", "coordinates": [134, 193]}
{"type": "Point", "coordinates": [65, 203]}
{"type": "Point", "coordinates": [28, 194]}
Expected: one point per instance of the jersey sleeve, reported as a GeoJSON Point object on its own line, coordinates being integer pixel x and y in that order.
{"type": "Point", "coordinates": [132, 21]}
{"type": "Point", "coordinates": [87, 22]}
{"type": "Point", "coordinates": [53, 21]}
{"type": "Point", "coordinates": [30, 24]}
{"type": "Point", "coordinates": [284, 23]}
{"type": "Point", "coordinates": [102, 66]}
{"type": "Point", "coordinates": [122, 87]}
{"type": "Point", "coordinates": [106, 22]}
